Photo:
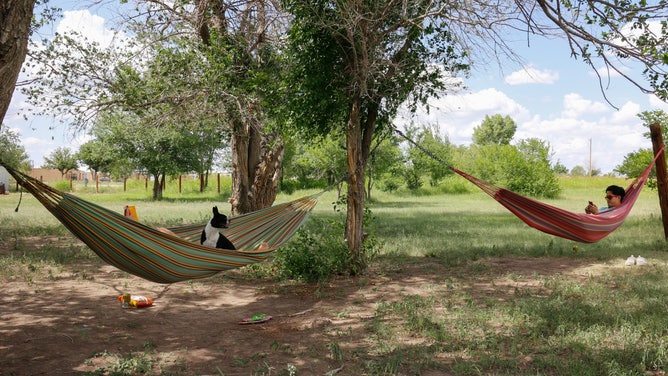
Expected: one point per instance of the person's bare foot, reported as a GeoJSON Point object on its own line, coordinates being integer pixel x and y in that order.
{"type": "Point", "coordinates": [264, 245]}
{"type": "Point", "coordinates": [166, 231]}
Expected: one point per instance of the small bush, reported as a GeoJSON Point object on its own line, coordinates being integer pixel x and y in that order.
{"type": "Point", "coordinates": [454, 185]}
{"type": "Point", "coordinates": [315, 254]}
{"type": "Point", "coordinates": [391, 184]}
{"type": "Point", "coordinates": [62, 185]}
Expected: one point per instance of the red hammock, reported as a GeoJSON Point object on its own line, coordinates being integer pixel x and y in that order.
{"type": "Point", "coordinates": [585, 228]}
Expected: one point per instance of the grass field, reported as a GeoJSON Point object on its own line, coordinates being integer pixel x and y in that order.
{"type": "Point", "coordinates": [473, 314]}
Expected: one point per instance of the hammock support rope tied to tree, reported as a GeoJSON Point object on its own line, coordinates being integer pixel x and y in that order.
{"type": "Point", "coordinates": [164, 258]}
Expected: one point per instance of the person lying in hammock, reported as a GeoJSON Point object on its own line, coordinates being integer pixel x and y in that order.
{"type": "Point", "coordinates": [614, 195]}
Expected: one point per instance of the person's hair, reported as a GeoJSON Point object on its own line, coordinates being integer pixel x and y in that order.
{"type": "Point", "coordinates": [617, 191]}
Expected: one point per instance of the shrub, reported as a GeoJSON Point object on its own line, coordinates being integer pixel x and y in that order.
{"type": "Point", "coordinates": [391, 184]}
{"type": "Point", "coordinates": [62, 185]}
{"type": "Point", "coordinates": [316, 253]}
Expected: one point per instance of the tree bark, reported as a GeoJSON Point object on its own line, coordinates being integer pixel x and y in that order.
{"type": "Point", "coordinates": [158, 182]}
{"type": "Point", "coordinates": [661, 174]}
{"type": "Point", "coordinates": [355, 166]}
{"type": "Point", "coordinates": [268, 173]}
{"type": "Point", "coordinates": [256, 163]}
{"type": "Point", "coordinates": [15, 17]}
{"type": "Point", "coordinates": [359, 135]}
{"type": "Point", "coordinates": [241, 171]}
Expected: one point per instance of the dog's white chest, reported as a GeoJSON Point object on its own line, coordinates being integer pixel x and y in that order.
{"type": "Point", "coordinates": [212, 235]}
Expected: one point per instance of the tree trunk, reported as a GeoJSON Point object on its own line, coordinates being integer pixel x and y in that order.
{"type": "Point", "coordinates": [268, 173]}
{"type": "Point", "coordinates": [355, 167]}
{"type": "Point", "coordinates": [15, 17]}
{"type": "Point", "coordinates": [359, 134]}
{"type": "Point", "coordinates": [256, 163]}
{"type": "Point", "coordinates": [241, 172]}
{"type": "Point", "coordinates": [157, 186]}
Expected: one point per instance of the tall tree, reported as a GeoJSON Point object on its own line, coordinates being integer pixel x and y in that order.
{"type": "Point", "coordinates": [61, 159]}
{"type": "Point", "coordinates": [430, 139]}
{"type": "Point", "coordinates": [160, 151]}
{"type": "Point", "coordinates": [15, 19]}
{"type": "Point", "coordinates": [12, 152]}
{"type": "Point", "coordinates": [98, 156]}
{"type": "Point", "coordinates": [494, 130]}
{"type": "Point", "coordinates": [655, 117]}
{"type": "Point", "coordinates": [250, 31]}
{"type": "Point", "coordinates": [210, 62]}
{"type": "Point", "coordinates": [354, 63]}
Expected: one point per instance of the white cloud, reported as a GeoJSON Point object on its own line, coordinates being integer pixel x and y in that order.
{"type": "Point", "coordinates": [630, 30]}
{"type": "Point", "coordinates": [606, 72]}
{"type": "Point", "coordinates": [34, 142]}
{"type": "Point", "coordinates": [576, 106]}
{"type": "Point", "coordinates": [570, 139]}
{"type": "Point", "coordinates": [612, 134]}
{"type": "Point", "coordinates": [657, 103]}
{"type": "Point", "coordinates": [457, 115]}
{"type": "Point", "coordinates": [531, 75]}
{"type": "Point", "coordinates": [90, 26]}
{"type": "Point", "coordinates": [628, 113]}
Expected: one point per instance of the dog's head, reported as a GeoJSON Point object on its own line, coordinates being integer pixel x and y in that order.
{"type": "Point", "coordinates": [219, 220]}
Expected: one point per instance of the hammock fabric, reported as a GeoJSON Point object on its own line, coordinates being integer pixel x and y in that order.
{"type": "Point", "coordinates": [580, 227]}
{"type": "Point", "coordinates": [164, 258]}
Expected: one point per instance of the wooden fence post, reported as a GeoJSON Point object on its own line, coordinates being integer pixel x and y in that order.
{"type": "Point", "coordinates": [661, 174]}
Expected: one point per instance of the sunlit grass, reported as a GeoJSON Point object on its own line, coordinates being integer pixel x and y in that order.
{"type": "Point", "coordinates": [450, 226]}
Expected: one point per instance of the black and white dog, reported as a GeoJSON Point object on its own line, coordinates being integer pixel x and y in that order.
{"type": "Point", "coordinates": [211, 236]}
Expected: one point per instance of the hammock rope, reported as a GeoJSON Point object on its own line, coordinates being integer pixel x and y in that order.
{"type": "Point", "coordinates": [161, 257]}
{"type": "Point", "coordinates": [580, 227]}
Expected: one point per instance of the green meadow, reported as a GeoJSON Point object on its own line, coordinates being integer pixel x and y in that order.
{"type": "Point", "coordinates": [614, 322]}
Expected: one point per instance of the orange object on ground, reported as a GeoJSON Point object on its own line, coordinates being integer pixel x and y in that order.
{"type": "Point", "coordinates": [138, 301]}
{"type": "Point", "coordinates": [130, 212]}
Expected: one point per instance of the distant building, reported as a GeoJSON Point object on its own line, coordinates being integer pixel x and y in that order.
{"type": "Point", "coordinates": [4, 180]}
{"type": "Point", "coordinates": [49, 174]}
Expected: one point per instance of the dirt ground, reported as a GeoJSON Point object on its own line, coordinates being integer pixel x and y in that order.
{"type": "Point", "coordinates": [68, 321]}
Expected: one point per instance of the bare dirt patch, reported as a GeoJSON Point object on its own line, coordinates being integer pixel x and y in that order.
{"type": "Point", "coordinates": [68, 321]}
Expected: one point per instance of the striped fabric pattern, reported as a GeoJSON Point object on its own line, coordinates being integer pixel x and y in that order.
{"type": "Point", "coordinates": [163, 258]}
{"type": "Point", "coordinates": [580, 227]}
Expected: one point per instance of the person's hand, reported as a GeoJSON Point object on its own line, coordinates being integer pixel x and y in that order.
{"type": "Point", "coordinates": [591, 208]}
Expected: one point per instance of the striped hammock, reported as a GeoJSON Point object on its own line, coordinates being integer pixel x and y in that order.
{"type": "Point", "coordinates": [580, 227]}
{"type": "Point", "coordinates": [161, 257]}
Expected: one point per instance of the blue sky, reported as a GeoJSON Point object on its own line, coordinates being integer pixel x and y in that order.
{"type": "Point", "coordinates": [549, 95]}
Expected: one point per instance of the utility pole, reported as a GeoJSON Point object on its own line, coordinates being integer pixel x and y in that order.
{"type": "Point", "coordinates": [590, 173]}
{"type": "Point", "coordinates": [661, 174]}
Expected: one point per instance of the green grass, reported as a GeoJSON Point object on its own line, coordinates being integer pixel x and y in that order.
{"type": "Point", "coordinates": [563, 327]}
{"type": "Point", "coordinates": [609, 324]}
